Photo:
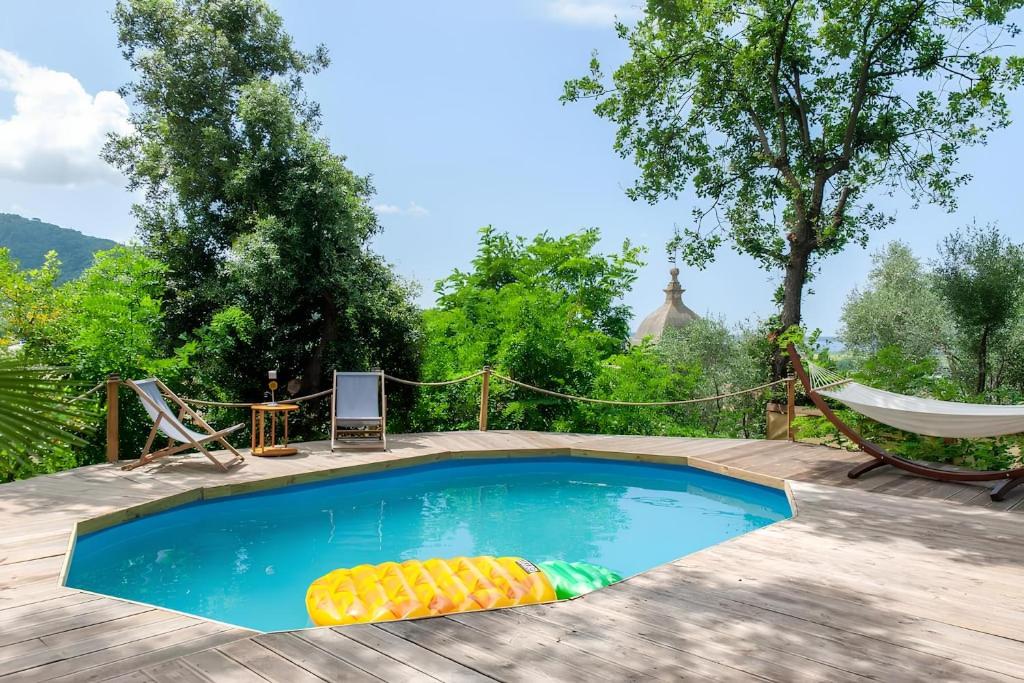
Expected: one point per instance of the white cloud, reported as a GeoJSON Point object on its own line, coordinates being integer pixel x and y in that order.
{"type": "Point", "coordinates": [56, 131]}
{"type": "Point", "coordinates": [416, 210]}
{"type": "Point", "coordinates": [594, 12]}
{"type": "Point", "coordinates": [413, 209]}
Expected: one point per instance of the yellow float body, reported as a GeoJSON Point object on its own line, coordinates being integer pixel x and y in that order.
{"type": "Point", "coordinates": [407, 590]}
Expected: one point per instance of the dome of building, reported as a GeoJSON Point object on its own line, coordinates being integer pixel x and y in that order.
{"type": "Point", "coordinates": [673, 314]}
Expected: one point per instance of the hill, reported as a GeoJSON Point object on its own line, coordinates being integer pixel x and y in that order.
{"type": "Point", "coordinates": [29, 239]}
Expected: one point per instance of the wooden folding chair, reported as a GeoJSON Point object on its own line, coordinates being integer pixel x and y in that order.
{"type": "Point", "coordinates": [152, 393]}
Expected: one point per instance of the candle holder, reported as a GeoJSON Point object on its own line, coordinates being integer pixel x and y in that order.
{"type": "Point", "coordinates": [272, 384]}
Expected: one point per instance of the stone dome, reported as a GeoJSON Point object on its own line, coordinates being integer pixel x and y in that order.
{"type": "Point", "coordinates": [673, 314]}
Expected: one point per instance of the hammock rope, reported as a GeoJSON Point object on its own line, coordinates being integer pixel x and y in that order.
{"type": "Point", "coordinates": [822, 378]}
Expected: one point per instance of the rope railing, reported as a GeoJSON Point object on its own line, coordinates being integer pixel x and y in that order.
{"type": "Point", "coordinates": [435, 384]}
{"type": "Point", "coordinates": [114, 381]}
{"type": "Point", "coordinates": [689, 401]}
{"type": "Point", "coordinates": [326, 392]}
{"type": "Point", "coordinates": [83, 396]}
{"type": "Point", "coordinates": [504, 378]}
{"type": "Point", "coordinates": [228, 404]}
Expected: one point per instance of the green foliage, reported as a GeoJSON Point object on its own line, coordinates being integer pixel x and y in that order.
{"type": "Point", "coordinates": [544, 311]}
{"type": "Point", "coordinates": [638, 375]}
{"type": "Point", "coordinates": [38, 424]}
{"type": "Point", "coordinates": [980, 276]}
{"type": "Point", "coordinates": [112, 321]}
{"type": "Point", "coordinates": [30, 239]}
{"type": "Point", "coordinates": [783, 117]}
{"type": "Point", "coordinates": [898, 307]}
{"type": "Point", "coordinates": [721, 361]}
{"type": "Point", "coordinates": [29, 301]}
{"type": "Point", "coordinates": [262, 229]}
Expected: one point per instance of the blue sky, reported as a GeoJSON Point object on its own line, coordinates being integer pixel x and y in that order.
{"type": "Point", "coordinates": [453, 108]}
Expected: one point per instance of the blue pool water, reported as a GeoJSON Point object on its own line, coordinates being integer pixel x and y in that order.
{"type": "Point", "coordinates": [248, 559]}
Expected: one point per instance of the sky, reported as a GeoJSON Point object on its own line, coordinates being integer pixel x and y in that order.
{"type": "Point", "coordinates": [452, 108]}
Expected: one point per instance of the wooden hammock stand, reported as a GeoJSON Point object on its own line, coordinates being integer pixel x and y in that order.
{"type": "Point", "coordinates": [1008, 479]}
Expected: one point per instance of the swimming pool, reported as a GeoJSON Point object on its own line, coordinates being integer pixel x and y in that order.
{"type": "Point", "coordinates": [248, 559]}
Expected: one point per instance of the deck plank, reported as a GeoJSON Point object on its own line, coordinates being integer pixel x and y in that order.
{"type": "Point", "coordinates": [268, 663]}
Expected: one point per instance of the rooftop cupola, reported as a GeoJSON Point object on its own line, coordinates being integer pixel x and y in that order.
{"type": "Point", "coordinates": [673, 314]}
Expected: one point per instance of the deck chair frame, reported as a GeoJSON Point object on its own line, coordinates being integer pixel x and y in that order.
{"type": "Point", "coordinates": [371, 437]}
{"type": "Point", "coordinates": [1007, 479]}
{"type": "Point", "coordinates": [212, 435]}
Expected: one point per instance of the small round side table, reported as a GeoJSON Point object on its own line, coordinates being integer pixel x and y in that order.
{"type": "Point", "coordinates": [259, 446]}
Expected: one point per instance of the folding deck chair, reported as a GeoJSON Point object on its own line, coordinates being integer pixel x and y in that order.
{"type": "Point", "coordinates": [358, 410]}
{"type": "Point", "coordinates": [151, 393]}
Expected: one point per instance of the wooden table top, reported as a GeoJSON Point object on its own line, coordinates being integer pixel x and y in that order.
{"type": "Point", "coordinates": [274, 407]}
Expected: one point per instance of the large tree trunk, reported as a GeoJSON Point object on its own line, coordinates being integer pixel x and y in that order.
{"type": "Point", "coordinates": [982, 361]}
{"type": "Point", "coordinates": [312, 379]}
{"type": "Point", "coordinates": [792, 298]}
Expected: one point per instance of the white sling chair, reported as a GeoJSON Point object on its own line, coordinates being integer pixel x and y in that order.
{"type": "Point", "coordinates": [151, 393]}
{"type": "Point", "coordinates": [358, 410]}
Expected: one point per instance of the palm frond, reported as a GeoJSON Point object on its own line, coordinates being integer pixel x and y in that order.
{"type": "Point", "coordinates": [35, 412]}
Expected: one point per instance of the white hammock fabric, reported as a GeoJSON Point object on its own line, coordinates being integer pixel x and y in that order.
{"type": "Point", "coordinates": [927, 416]}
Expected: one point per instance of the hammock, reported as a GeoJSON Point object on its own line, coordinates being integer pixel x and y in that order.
{"type": "Point", "coordinates": [926, 416]}
{"type": "Point", "coordinates": [921, 415]}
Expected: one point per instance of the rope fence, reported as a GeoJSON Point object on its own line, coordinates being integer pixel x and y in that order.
{"type": "Point", "coordinates": [435, 384]}
{"type": "Point", "coordinates": [689, 401]}
{"type": "Point", "coordinates": [228, 404]}
{"type": "Point", "coordinates": [114, 382]}
{"type": "Point", "coordinates": [504, 378]}
{"type": "Point", "coordinates": [82, 397]}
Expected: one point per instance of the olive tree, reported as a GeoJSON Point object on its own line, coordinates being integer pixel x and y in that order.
{"type": "Point", "coordinates": [897, 307]}
{"type": "Point", "coordinates": [980, 276]}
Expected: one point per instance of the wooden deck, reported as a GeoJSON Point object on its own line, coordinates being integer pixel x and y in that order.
{"type": "Point", "coordinates": [891, 578]}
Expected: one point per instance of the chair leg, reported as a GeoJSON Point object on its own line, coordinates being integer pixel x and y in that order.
{"type": "Point", "coordinates": [143, 459]}
{"type": "Point", "coordinates": [202, 449]}
{"type": "Point", "coordinates": [238, 456]}
{"type": "Point", "coordinates": [866, 467]}
{"type": "Point", "coordinates": [1002, 488]}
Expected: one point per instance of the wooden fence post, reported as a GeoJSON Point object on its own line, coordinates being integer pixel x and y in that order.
{"type": "Point", "coordinates": [790, 406]}
{"type": "Point", "coordinates": [485, 396]}
{"type": "Point", "coordinates": [113, 436]}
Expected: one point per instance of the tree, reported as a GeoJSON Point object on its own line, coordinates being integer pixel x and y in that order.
{"type": "Point", "coordinates": [263, 230]}
{"type": "Point", "coordinates": [783, 115]}
{"type": "Point", "coordinates": [639, 375]}
{"type": "Point", "coordinates": [899, 307]}
{"type": "Point", "coordinates": [110, 319]}
{"type": "Point", "coordinates": [980, 276]}
{"type": "Point", "coordinates": [29, 301]}
{"type": "Point", "coordinates": [544, 311]}
{"type": "Point", "coordinates": [721, 360]}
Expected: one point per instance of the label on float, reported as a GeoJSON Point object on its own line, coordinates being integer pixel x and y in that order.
{"type": "Point", "coordinates": [527, 566]}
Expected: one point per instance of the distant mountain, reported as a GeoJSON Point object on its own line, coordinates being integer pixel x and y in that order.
{"type": "Point", "coordinates": [29, 239]}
